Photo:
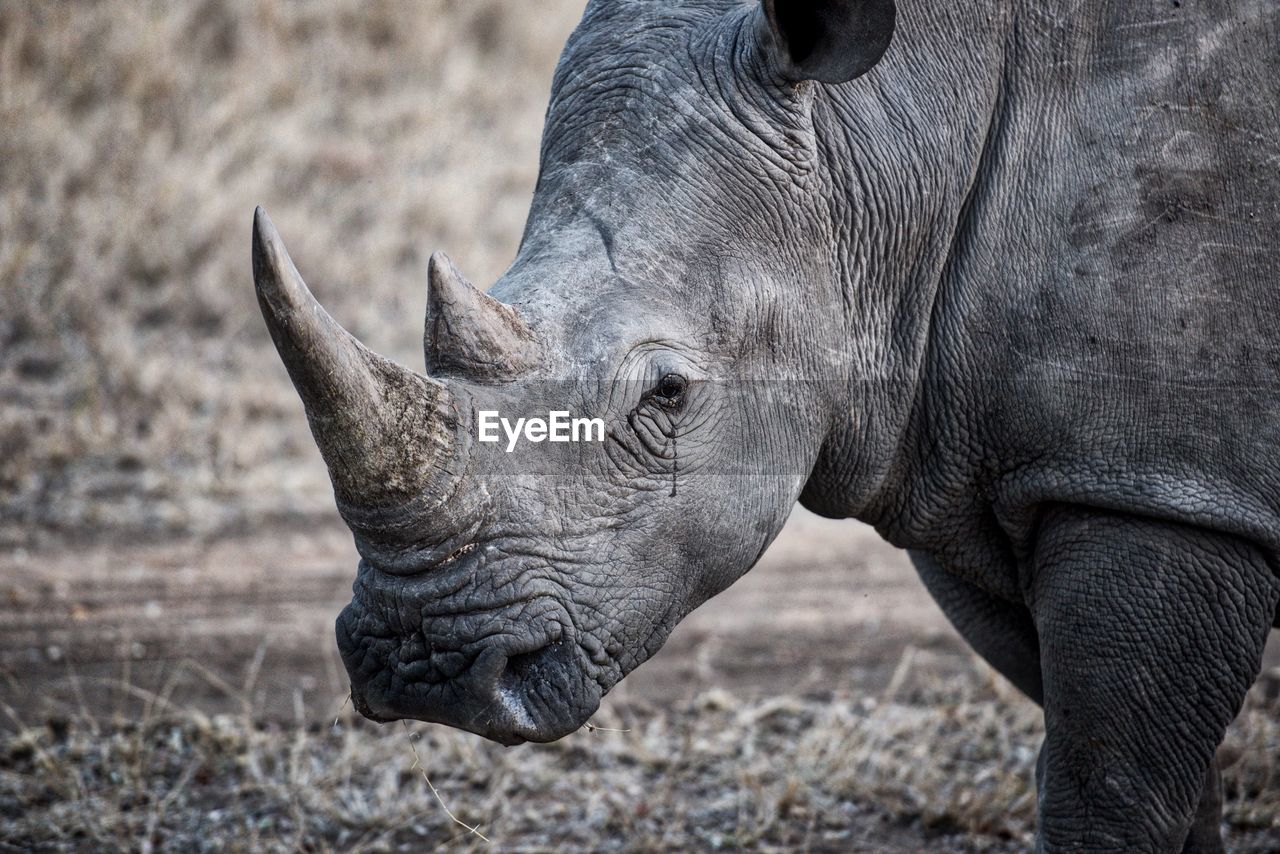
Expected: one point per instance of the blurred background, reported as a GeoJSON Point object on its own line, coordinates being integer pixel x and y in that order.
{"type": "Point", "coordinates": [141, 394]}
{"type": "Point", "coordinates": [170, 558]}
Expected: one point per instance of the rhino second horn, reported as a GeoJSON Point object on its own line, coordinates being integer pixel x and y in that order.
{"type": "Point", "coordinates": [387, 434]}
{"type": "Point", "coordinates": [471, 334]}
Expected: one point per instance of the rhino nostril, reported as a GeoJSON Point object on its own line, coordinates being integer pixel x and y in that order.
{"type": "Point", "coordinates": [523, 667]}
{"type": "Point", "coordinates": [541, 673]}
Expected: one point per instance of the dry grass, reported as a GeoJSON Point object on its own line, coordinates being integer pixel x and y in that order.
{"type": "Point", "coordinates": [138, 389]}
{"type": "Point", "coordinates": [948, 765]}
{"type": "Point", "coordinates": [713, 775]}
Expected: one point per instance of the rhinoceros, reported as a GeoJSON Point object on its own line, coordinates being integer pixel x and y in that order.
{"type": "Point", "coordinates": [1001, 279]}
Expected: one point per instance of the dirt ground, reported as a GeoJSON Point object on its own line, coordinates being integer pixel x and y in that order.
{"type": "Point", "coordinates": [830, 608]}
{"type": "Point", "coordinates": [832, 621]}
{"type": "Point", "coordinates": [243, 626]}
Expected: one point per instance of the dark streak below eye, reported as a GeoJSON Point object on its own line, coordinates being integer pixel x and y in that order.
{"type": "Point", "coordinates": [675, 464]}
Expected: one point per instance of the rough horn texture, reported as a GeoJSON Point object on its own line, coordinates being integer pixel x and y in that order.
{"type": "Point", "coordinates": [383, 430]}
{"type": "Point", "coordinates": [469, 332]}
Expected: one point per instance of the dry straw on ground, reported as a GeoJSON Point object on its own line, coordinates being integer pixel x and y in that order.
{"type": "Point", "coordinates": [942, 764]}
{"type": "Point", "coordinates": [716, 773]}
{"type": "Point", "coordinates": [949, 761]}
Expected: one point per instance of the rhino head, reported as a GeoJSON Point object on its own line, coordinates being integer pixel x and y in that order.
{"type": "Point", "coordinates": [668, 284]}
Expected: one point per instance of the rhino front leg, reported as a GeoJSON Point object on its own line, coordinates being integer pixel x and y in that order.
{"type": "Point", "coordinates": [1205, 836]}
{"type": "Point", "coordinates": [1151, 634]}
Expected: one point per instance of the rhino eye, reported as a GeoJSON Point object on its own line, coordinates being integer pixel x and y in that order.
{"type": "Point", "coordinates": [670, 389]}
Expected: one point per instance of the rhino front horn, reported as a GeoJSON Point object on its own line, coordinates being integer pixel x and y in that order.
{"type": "Point", "coordinates": [471, 334]}
{"type": "Point", "coordinates": [387, 434]}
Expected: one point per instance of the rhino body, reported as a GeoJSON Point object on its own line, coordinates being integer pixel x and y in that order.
{"type": "Point", "coordinates": [1001, 279]}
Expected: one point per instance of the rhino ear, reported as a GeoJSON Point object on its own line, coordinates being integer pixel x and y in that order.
{"type": "Point", "coordinates": [832, 41]}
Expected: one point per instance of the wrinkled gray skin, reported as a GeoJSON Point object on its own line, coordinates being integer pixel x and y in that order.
{"type": "Point", "coordinates": [1010, 296]}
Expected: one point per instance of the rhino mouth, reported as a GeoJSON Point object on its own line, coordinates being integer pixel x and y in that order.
{"type": "Point", "coordinates": [512, 673]}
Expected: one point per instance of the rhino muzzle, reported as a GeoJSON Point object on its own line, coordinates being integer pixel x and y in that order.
{"type": "Point", "coordinates": [509, 694]}
{"type": "Point", "coordinates": [512, 671]}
